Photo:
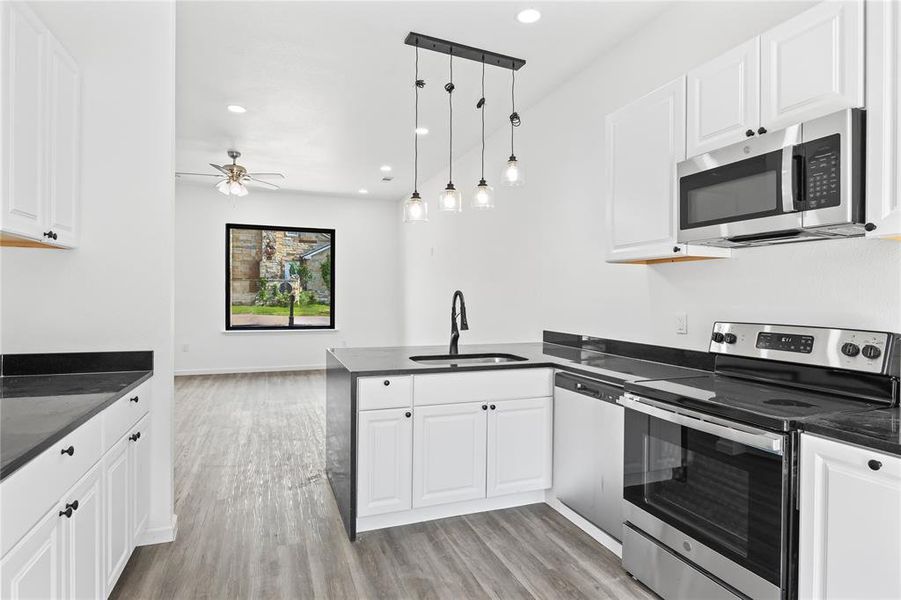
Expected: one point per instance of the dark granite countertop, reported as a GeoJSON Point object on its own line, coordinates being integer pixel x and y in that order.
{"type": "Point", "coordinates": [876, 429]}
{"type": "Point", "coordinates": [37, 410]}
{"type": "Point", "coordinates": [613, 368]}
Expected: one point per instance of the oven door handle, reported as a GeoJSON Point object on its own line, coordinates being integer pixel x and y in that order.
{"type": "Point", "coordinates": [762, 441]}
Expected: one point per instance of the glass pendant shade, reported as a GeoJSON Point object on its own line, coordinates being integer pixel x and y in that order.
{"type": "Point", "coordinates": [450, 199]}
{"type": "Point", "coordinates": [483, 197]}
{"type": "Point", "coordinates": [415, 209]}
{"type": "Point", "coordinates": [513, 174]}
{"type": "Point", "coordinates": [222, 186]}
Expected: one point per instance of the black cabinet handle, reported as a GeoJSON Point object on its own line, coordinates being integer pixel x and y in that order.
{"type": "Point", "coordinates": [749, 133]}
{"type": "Point", "coordinates": [762, 130]}
{"type": "Point", "coordinates": [66, 513]}
{"type": "Point", "coordinates": [677, 249]}
{"type": "Point", "coordinates": [493, 407]}
{"type": "Point", "coordinates": [134, 399]}
{"type": "Point", "coordinates": [874, 464]}
{"type": "Point", "coordinates": [387, 382]}
{"type": "Point", "coordinates": [73, 505]}
{"type": "Point", "coordinates": [50, 234]}
{"type": "Point", "coordinates": [408, 414]}
{"type": "Point", "coordinates": [484, 407]}
{"type": "Point", "coordinates": [135, 437]}
{"type": "Point", "coordinates": [870, 227]}
{"type": "Point", "coordinates": [70, 450]}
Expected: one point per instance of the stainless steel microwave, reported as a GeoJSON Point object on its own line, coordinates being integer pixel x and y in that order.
{"type": "Point", "coordinates": [802, 183]}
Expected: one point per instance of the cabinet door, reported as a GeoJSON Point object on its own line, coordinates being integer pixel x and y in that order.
{"type": "Point", "coordinates": [33, 568]}
{"type": "Point", "coordinates": [83, 537]}
{"type": "Point", "coordinates": [520, 454]}
{"type": "Point", "coordinates": [724, 99]}
{"type": "Point", "coordinates": [645, 140]}
{"type": "Point", "coordinates": [117, 481]}
{"type": "Point", "coordinates": [22, 85]}
{"type": "Point", "coordinates": [63, 190]}
{"type": "Point", "coordinates": [448, 453]}
{"type": "Point", "coordinates": [813, 64]}
{"type": "Point", "coordinates": [384, 461]}
{"type": "Point", "coordinates": [850, 513]}
{"type": "Point", "coordinates": [139, 451]}
{"type": "Point", "coordinates": [884, 119]}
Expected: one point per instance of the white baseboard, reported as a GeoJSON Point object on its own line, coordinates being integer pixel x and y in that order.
{"type": "Point", "coordinates": [227, 370]}
{"type": "Point", "coordinates": [599, 535]}
{"type": "Point", "coordinates": [159, 535]}
{"type": "Point", "coordinates": [441, 511]}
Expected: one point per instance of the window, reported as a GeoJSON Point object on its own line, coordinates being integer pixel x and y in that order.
{"type": "Point", "coordinates": [279, 277]}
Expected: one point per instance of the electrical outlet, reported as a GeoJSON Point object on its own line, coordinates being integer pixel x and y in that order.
{"type": "Point", "coordinates": [681, 323]}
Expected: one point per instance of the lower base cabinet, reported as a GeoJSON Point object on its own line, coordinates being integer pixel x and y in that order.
{"type": "Point", "coordinates": [117, 475]}
{"type": "Point", "coordinates": [520, 446]}
{"type": "Point", "coordinates": [33, 569]}
{"type": "Point", "coordinates": [83, 538]}
{"type": "Point", "coordinates": [385, 461]}
{"type": "Point", "coordinates": [850, 513]}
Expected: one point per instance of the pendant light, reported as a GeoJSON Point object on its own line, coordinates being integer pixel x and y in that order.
{"type": "Point", "coordinates": [416, 210]}
{"type": "Point", "coordinates": [483, 197]}
{"type": "Point", "coordinates": [513, 175]}
{"type": "Point", "coordinates": [450, 199]}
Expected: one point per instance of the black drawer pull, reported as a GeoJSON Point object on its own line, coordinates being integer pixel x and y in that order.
{"type": "Point", "coordinates": [874, 464]}
{"type": "Point", "coordinates": [484, 407]}
{"type": "Point", "coordinates": [762, 130]}
{"type": "Point", "coordinates": [408, 414]}
{"type": "Point", "coordinates": [50, 234]}
{"type": "Point", "coordinates": [134, 399]}
{"type": "Point", "coordinates": [70, 450]}
{"type": "Point", "coordinates": [66, 513]}
{"type": "Point", "coordinates": [73, 505]}
{"type": "Point", "coordinates": [493, 407]}
{"type": "Point", "coordinates": [749, 133]}
{"type": "Point", "coordinates": [387, 382]}
{"type": "Point", "coordinates": [135, 437]}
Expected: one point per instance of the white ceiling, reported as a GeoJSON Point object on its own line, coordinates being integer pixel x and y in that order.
{"type": "Point", "coordinates": [328, 85]}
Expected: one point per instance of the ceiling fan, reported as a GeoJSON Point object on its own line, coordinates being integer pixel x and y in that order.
{"type": "Point", "coordinates": [233, 177]}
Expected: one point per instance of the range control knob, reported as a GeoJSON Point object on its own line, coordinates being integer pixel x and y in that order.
{"type": "Point", "coordinates": [849, 349]}
{"type": "Point", "coordinates": [717, 337]}
{"type": "Point", "coordinates": [730, 338]}
{"type": "Point", "coordinates": [871, 352]}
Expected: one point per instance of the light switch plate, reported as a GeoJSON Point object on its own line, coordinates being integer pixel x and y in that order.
{"type": "Point", "coordinates": [681, 323]}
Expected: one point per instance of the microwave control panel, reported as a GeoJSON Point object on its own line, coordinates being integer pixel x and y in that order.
{"type": "Point", "coordinates": [822, 172]}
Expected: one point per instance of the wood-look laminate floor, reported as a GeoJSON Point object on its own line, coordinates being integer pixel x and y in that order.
{"type": "Point", "coordinates": [256, 518]}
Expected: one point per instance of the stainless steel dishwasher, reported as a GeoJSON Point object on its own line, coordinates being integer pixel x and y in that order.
{"type": "Point", "coordinates": [588, 450]}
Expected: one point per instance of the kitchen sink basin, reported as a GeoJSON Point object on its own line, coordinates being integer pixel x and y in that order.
{"type": "Point", "coordinates": [466, 359]}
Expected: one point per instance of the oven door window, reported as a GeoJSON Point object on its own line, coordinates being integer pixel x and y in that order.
{"type": "Point", "coordinates": [747, 189]}
{"type": "Point", "coordinates": [726, 495]}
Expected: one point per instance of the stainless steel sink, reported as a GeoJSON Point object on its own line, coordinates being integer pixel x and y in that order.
{"type": "Point", "coordinates": [466, 359]}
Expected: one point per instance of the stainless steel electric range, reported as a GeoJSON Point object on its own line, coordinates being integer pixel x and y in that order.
{"type": "Point", "coordinates": [710, 462]}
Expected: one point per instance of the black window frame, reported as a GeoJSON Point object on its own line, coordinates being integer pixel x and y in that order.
{"type": "Point", "coordinates": [228, 324]}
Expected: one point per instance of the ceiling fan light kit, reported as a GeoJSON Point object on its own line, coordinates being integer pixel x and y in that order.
{"type": "Point", "coordinates": [233, 178]}
{"type": "Point", "coordinates": [450, 199]}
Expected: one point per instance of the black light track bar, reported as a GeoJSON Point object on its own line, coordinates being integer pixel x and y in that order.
{"type": "Point", "coordinates": [427, 42]}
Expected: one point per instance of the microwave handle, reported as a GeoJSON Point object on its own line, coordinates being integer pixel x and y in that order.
{"type": "Point", "coordinates": [788, 179]}
{"type": "Point", "coordinates": [799, 177]}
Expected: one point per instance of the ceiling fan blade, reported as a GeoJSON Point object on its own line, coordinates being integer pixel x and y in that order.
{"type": "Point", "coordinates": [280, 175]}
{"type": "Point", "coordinates": [198, 174]}
{"type": "Point", "coordinates": [271, 186]}
{"type": "Point", "coordinates": [223, 170]}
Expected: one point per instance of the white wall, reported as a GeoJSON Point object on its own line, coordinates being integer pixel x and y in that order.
{"type": "Point", "coordinates": [367, 282]}
{"type": "Point", "coordinates": [115, 291]}
{"type": "Point", "coordinates": [536, 261]}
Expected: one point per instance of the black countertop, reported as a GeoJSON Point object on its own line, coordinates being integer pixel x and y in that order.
{"type": "Point", "coordinates": [876, 429]}
{"type": "Point", "coordinates": [37, 410]}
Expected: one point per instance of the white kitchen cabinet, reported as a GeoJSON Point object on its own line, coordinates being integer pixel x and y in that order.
{"type": "Point", "coordinates": [850, 522]}
{"type": "Point", "coordinates": [813, 64]}
{"type": "Point", "coordinates": [644, 141]}
{"type": "Point", "coordinates": [118, 534]}
{"type": "Point", "coordinates": [83, 538]}
{"type": "Point", "coordinates": [723, 103]}
{"type": "Point", "coordinates": [520, 446]}
{"type": "Point", "coordinates": [384, 461]}
{"type": "Point", "coordinates": [884, 119]}
{"type": "Point", "coordinates": [449, 449]}
{"type": "Point", "coordinates": [40, 116]}
{"type": "Point", "coordinates": [139, 455]}
{"type": "Point", "coordinates": [33, 568]}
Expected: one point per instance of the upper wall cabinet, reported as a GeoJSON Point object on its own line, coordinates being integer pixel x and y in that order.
{"type": "Point", "coordinates": [812, 65]}
{"type": "Point", "coordinates": [724, 99]}
{"type": "Point", "coordinates": [884, 119]}
{"type": "Point", "coordinates": [644, 141]}
{"type": "Point", "coordinates": [40, 117]}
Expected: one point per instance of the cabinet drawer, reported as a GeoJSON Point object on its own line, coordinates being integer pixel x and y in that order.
{"type": "Point", "coordinates": [119, 417]}
{"type": "Point", "coordinates": [30, 492]}
{"type": "Point", "coordinates": [482, 386]}
{"type": "Point", "coordinates": [384, 392]}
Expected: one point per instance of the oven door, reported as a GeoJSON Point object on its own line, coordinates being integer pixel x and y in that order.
{"type": "Point", "coordinates": [715, 494]}
{"type": "Point", "coordinates": [741, 192]}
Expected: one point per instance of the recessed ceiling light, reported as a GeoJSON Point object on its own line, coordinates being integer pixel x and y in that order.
{"type": "Point", "coordinates": [529, 15]}
{"type": "Point", "coordinates": [236, 108]}
{"type": "Point", "coordinates": [363, 191]}
{"type": "Point", "coordinates": [385, 168]}
{"type": "Point", "coordinates": [422, 130]}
